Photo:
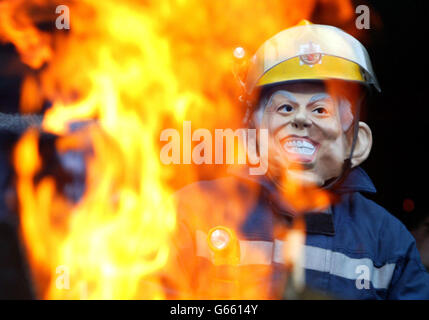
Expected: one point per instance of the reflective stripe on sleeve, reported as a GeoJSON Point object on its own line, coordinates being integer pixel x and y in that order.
{"type": "Point", "coordinates": [317, 259]}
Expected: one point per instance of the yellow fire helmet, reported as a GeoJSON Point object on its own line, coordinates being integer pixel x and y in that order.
{"type": "Point", "coordinates": [310, 52]}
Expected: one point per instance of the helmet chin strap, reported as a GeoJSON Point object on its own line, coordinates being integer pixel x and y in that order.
{"type": "Point", "coordinates": [334, 183]}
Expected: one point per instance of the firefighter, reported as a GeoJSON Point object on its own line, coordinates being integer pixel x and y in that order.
{"type": "Point", "coordinates": [306, 86]}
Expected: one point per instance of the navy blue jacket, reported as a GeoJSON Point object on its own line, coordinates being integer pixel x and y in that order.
{"type": "Point", "coordinates": [357, 250]}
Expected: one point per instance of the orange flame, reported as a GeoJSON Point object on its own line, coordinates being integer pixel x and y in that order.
{"type": "Point", "coordinates": [133, 66]}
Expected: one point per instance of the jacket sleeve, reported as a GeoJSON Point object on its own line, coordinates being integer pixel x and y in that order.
{"type": "Point", "coordinates": [410, 280]}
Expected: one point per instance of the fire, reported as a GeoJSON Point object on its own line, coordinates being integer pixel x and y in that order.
{"type": "Point", "coordinates": [128, 68]}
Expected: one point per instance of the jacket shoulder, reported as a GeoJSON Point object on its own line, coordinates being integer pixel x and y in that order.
{"type": "Point", "coordinates": [212, 202]}
{"type": "Point", "coordinates": [364, 227]}
{"type": "Point", "coordinates": [386, 220]}
{"type": "Point", "coordinates": [391, 232]}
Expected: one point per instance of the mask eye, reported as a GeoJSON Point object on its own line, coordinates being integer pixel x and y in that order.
{"type": "Point", "coordinates": [285, 108]}
{"type": "Point", "coordinates": [321, 111]}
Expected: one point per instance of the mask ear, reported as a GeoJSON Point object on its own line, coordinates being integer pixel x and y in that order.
{"type": "Point", "coordinates": [363, 144]}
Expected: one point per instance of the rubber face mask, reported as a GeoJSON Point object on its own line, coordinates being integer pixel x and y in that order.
{"type": "Point", "coordinates": [310, 132]}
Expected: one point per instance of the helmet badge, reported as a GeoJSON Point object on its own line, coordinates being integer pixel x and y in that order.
{"type": "Point", "coordinates": [310, 54]}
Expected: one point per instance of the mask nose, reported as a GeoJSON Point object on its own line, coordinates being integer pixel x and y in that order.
{"type": "Point", "coordinates": [301, 120]}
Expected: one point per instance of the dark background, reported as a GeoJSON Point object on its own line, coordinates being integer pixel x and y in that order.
{"type": "Point", "coordinates": [398, 117]}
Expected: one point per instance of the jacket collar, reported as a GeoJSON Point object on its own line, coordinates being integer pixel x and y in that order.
{"type": "Point", "coordinates": [316, 222]}
{"type": "Point", "coordinates": [356, 181]}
